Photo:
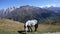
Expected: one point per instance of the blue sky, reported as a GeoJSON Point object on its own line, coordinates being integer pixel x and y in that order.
{"type": "Point", "coordinates": [38, 3]}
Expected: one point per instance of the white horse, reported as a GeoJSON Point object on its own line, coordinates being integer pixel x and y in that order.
{"type": "Point", "coordinates": [29, 24]}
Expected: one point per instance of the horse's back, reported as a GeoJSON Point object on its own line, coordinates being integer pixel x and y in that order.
{"type": "Point", "coordinates": [31, 22]}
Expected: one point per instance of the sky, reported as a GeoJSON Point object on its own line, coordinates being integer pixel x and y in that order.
{"type": "Point", "coordinates": [39, 3]}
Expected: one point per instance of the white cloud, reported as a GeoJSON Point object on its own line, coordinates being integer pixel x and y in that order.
{"type": "Point", "coordinates": [48, 5]}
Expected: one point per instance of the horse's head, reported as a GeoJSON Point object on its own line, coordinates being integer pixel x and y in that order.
{"type": "Point", "coordinates": [25, 27]}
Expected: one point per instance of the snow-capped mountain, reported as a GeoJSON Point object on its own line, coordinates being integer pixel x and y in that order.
{"type": "Point", "coordinates": [53, 8]}
{"type": "Point", "coordinates": [5, 12]}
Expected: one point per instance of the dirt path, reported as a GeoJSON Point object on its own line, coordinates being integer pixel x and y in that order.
{"type": "Point", "coordinates": [52, 33]}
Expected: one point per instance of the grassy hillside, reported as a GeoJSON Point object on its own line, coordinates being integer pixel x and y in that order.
{"type": "Point", "coordinates": [9, 26]}
{"type": "Point", "coordinates": [12, 27]}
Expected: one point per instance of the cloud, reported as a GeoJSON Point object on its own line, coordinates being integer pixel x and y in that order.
{"type": "Point", "coordinates": [48, 5]}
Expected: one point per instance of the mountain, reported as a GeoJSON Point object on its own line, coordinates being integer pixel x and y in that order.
{"type": "Point", "coordinates": [5, 12]}
{"type": "Point", "coordinates": [27, 12]}
{"type": "Point", "coordinates": [24, 13]}
{"type": "Point", "coordinates": [2, 13]}
{"type": "Point", "coordinates": [55, 9]}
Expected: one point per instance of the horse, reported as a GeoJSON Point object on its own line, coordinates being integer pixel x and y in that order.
{"type": "Point", "coordinates": [29, 24]}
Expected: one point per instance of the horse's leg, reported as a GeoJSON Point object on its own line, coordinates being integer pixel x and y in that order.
{"type": "Point", "coordinates": [31, 29]}
{"type": "Point", "coordinates": [36, 26]}
{"type": "Point", "coordinates": [28, 28]}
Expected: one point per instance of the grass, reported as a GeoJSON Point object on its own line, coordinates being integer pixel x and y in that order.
{"type": "Point", "coordinates": [12, 27]}
{"type": "Point", "coordinates": [8, 32]}
{"type": "Point", "coordinates": [49, 28]}
{"type": "Point", "coordinates": [9, 26]}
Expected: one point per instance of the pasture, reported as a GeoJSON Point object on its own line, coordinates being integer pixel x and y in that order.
{"type": "Point", "coordinates": [12, 27]}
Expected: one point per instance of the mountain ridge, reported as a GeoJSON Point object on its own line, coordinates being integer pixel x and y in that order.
{"type": "Point", "coordinates": [24, 13]}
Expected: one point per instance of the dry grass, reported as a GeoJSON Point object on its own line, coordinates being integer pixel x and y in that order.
{"type": "Point", "coordinates": [9, 26]}
{"type": "Point", "coordinates": [48, 28]}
